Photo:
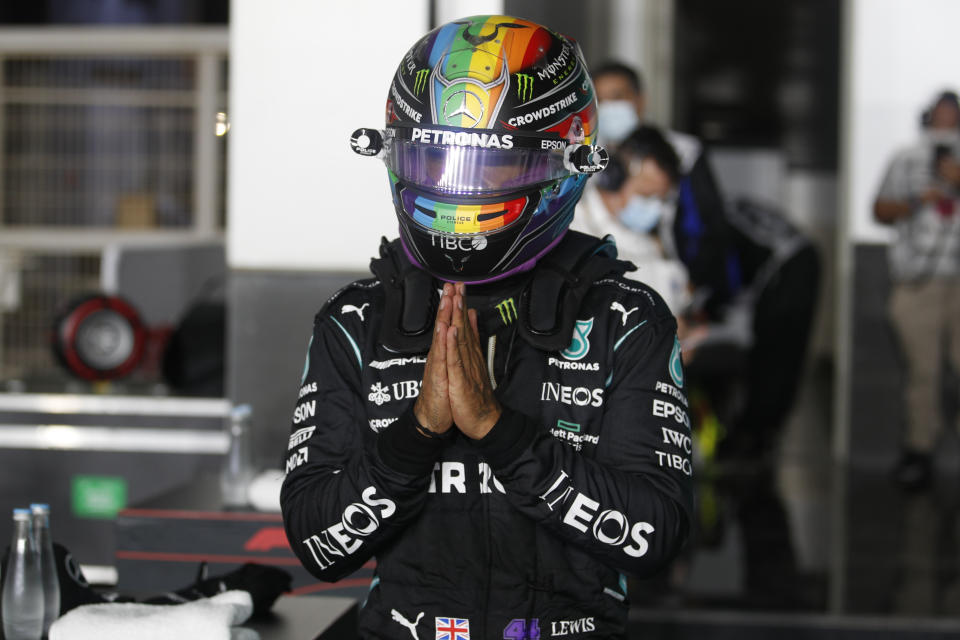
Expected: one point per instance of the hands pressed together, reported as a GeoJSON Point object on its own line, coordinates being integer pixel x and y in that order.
{"type": "Point", "coordinates": [455, 388]}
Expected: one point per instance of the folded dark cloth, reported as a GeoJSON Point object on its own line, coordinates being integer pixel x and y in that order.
{"type": "Point", "coordinates": [264, 584]}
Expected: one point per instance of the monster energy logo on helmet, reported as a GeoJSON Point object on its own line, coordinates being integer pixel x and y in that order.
{"type": "Point", "coordinates": [508, 310]}
{"type": "Point", "coordinates": [524, 86]}
{"type": "Point", "coordinates": [420, 82]}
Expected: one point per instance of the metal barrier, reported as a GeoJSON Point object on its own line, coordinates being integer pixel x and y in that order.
{"type": "Point", "coordinates": [53, 423]}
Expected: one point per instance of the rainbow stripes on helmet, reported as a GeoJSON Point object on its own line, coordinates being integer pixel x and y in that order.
{"type": "Point", "coordinates": [483, 117]}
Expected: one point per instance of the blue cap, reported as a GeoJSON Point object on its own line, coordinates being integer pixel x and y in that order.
{"type": "Point", "coordinates": [20, 514]}
{"type": "Point", "coordinates": [34, 506]}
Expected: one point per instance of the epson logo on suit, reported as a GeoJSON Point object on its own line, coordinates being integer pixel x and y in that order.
{"type": "Point", "coordinates": [304, 411]}
{"type": "Point", "coordinates": [664, 409]}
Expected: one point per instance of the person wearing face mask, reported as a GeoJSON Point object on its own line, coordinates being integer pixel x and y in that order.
{"type": "Point", "coordinates": [634, 201]}
{"type": "Point", "coordinates": [621, 101]}
{"type": "Point", "coordinates": [919, 198]}
{"type": "Point", "coordinates": [753, 276]}
{"type": "Point", "coordinates": [699, 231]}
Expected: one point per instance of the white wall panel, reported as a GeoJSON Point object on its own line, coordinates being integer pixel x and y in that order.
{"type": "Point", "coordinates": [303, 75]}
{"type": "Point", "coordinates": [903, 52]}
{"type": "Point", "coordinates": [448, 10]}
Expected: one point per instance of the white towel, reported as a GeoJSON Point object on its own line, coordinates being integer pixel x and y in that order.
{"type": "Point", "coordinates": [264, 492]}
{"type": "Point", "coordinates": [206, 619]}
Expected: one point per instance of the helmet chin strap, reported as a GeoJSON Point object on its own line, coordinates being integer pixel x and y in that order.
{"type": "Point", "coordinates": [548, 304]}
{"type": "Point", "coordinates": [410, 300]}
{"type": "Point", "coordinates": [525, 266]}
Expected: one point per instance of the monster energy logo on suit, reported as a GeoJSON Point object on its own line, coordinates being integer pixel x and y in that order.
{"type": "Point", "coordinates": [508, 310]}
{"type": "Point", "coordinates": [524, 86]}
{"type": "Point", "coordinates": [420, 82]}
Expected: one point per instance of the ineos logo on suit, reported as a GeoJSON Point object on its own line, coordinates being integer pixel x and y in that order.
{"type": "Point", "coordinates": [344, 538]}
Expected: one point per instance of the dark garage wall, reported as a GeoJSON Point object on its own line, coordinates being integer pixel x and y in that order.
{"type": "Point", "coordinates": [877, 371]}
{"type": "Point", "coordinates": [268, 328]}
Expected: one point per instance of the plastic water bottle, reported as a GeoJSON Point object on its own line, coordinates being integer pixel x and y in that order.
{"type": "Point", "coordinates": [237, 470]}
{"type": "Point", "coordinates": [48, 565]}
{"type": "Point", "coordinates": [23, 589]}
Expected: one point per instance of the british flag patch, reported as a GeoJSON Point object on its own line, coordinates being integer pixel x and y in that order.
{"type": "Point", "coordinates": [453, 629]}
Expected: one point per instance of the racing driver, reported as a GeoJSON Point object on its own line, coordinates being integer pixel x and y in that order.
{"type": "Point", "coordinates": [497, 416]}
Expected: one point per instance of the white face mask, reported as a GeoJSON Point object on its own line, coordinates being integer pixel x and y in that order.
{"type": "Point", "coordinates": [642, 213]}
{"type": "Point", "coordinates": [943, 136]}
{"type": "Point", "coordinates": [617, 119]}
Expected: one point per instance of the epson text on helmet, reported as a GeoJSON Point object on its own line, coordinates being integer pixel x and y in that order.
{"type": "Point", "coordinates": [463, 138]}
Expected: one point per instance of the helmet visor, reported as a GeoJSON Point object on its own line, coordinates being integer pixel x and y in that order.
{"type": "Point", "coordinates": [464, 162]}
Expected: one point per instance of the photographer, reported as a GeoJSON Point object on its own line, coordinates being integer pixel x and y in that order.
{"type": "Point", "coordinates": [919, 197]}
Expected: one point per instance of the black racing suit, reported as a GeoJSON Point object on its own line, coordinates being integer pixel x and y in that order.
{"type": "Point", "coordinates": [527, 532]}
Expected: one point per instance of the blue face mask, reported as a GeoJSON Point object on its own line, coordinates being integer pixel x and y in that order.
{"type": "Point", "coordinates": [642, 213]}
{"type": "Point", "coordinates": [616, 120]}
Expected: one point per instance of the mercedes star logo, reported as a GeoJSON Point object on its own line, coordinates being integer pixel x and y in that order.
{"type": "Point", "coordinates": [463, 103]}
